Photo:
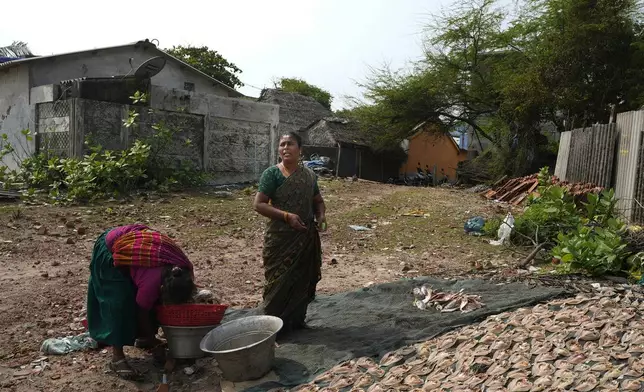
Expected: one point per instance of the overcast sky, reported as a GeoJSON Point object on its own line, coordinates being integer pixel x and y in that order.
{"type": "Point", "coordinates": [329, 43]}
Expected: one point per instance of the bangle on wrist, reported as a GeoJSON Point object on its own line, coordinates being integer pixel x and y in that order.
{"type": "Point", "coordinates": [285, 216]}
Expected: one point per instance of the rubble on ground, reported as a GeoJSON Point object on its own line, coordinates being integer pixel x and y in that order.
{"type": "Point", "coordinates": [516, 190]}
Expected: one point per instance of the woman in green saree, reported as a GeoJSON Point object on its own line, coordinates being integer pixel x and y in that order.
{"type": "Point", "coordinates": [289, 195]}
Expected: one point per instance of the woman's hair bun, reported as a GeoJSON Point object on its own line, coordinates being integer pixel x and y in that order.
{"type": "Point", "coordinates": [177, 272]}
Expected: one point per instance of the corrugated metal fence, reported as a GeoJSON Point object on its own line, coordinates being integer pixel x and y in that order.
{"type": "Point", "coordinates": [610, 155]}
{"type": "Point", "coordinates": [630, 126]}
{"type": "Point", "coordinates": [563, 155]}
{"type": "Point", "coordinates": [587, 155]}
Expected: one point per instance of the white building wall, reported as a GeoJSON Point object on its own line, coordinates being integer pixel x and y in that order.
{"type": "Point", "coordinates": [15, 112]}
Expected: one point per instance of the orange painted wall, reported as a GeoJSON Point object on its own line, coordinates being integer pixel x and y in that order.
{"type": "Point", "coordinates": [433, 149]}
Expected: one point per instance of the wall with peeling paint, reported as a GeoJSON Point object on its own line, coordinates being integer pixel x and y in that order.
{"type": "Point", "coordinates": [240, 138]}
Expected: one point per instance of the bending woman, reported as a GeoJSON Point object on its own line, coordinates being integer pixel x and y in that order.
{"type": "Point", "coordinates": [133, 268]}
{"type": "Point", "coordinates": [289, 195]}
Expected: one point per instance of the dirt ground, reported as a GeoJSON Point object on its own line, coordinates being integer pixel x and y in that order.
{"type": "Point", "coordinates": [45, 253]}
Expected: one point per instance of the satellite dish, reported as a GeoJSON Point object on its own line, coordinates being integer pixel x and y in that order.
{"type": "Point", "coordinates": [150, 67]}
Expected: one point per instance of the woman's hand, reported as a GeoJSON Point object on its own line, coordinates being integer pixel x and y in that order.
{"type": "Point", "coordinates": [321, 222]}
{"type": "Point", "coordinates": [295, 222]}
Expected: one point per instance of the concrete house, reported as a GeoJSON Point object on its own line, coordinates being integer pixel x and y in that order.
{"type": "Point", "coordinates": [69, 97]}
{"type": "Point", "coordinates": [434, 151]}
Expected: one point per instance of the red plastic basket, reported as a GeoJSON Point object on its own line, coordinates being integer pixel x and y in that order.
{"type": "Point", "coordinates": [190, 315]}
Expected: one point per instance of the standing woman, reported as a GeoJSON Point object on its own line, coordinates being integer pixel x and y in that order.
{"type": "Point", "coordinates": [289, 195]}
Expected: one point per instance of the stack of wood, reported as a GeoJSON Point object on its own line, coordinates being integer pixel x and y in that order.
{"type": "Point", "coordinates": [516, 190]}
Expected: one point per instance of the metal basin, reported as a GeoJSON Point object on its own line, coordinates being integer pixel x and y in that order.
{"type": "Point", "coordinates": [244, 348]}
{"type": "Point", "coordinates": [183, 342]}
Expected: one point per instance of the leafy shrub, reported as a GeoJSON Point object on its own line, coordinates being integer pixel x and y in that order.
{"type": "Point", "coordinates": [587, 238]}
{"type": "Point", "coordinates": [548, 214]}
{"type": "Point", "coordinates": [103, 173]}
{"type": "Point", "coordinates": [491, 227]}
{"type": "Point", "coordinates": [597, 245]}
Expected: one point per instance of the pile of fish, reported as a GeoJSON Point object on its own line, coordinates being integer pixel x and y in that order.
{"type": "Point", "coordinates": [425, 297]}
{"type": "Point", "coordinates": [588, 343]}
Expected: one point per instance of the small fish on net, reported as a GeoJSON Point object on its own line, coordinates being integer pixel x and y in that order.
{"type": "Point", "coordinates": [425, 297]}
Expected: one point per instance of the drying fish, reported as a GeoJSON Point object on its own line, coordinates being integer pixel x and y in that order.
{"type": "Point", "coordinates": [437, 376]}
{"type": "Point", "coordinates": [577, 359]}
{"type": "Point", "coordinates": [447, 343]}
{"type": "Point", "coordinates": [391, 359]}
{"type": "Point", "coordinates": [517, 357]}
{"type": "Point", "coordinates": [363, 381]}
{"type": "Point", "coordinates": [635, 369]}
{"type": "Point", "coordinates": [425, 370]}
{"type": "Point", "coordinates": [431, 385]}
{"type": "Point", "coordinates": [588, 335]}
{"type": "Point", "coordinates": [564, 379]}
{"type": "Point", "coordinates": [376, 372]}
{"type": "Point", "coordinates": [500, 344]}
{"type": "Point", "coordinates": [585, 344]}
{"type": "Point", "coordinates": [612, 374]}
{"type": "Point", "coordinates": [523, 364]}
{"type": "Point", "coordinates": [495, 383]}
{"type": "Point", "coordinates": [481, 351]}
{"type": "Point", "coordinates": [400, 370]}
{"type": "Point", "coordinates": [324, 377]}
{"type": "Point", "coordinates": [600, 367]}
{"type": "Point", "coordinates": [563, 364]}
{"type": "Point", "coordinates": [581, 368]}
{"type": "Point", "coordinates": [542, 369]}
{"type": "Point", "coordinates": [499, 355]}
{"type": "Point", "coordinates": [343, 368]}
{"type": "Point", "coordinates": [499, 368]}
{"type": "Point", "coordinates": [631, 385]}
{"type": "Point", "coordinates": [413, 380]}
{"type": "Point", "coordinates": [476, 380]}
{"type": "Point", "coordinates": [425, 297]}
{"type": "Point", "coordinates": [392, 380]}
{"type": "Point", "coordinates": [519, 385]}
{"type": "Point", "coordinates": [542, 383]}
{"type": "Point", "coordinates": [416, 363]}
{"type": "Point", "coordinates": [518, 374]}
{"type": "Point", "coordinates": [588, 383]}
{"type": "Point", "coordinates": [377, 388]}
{"type": "Point", "coordinates": [306, 388]}
{"type": "Point", "coordinates": [341, 382]}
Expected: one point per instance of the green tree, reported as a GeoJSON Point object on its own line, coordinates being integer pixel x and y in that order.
{"type": "Point", "coordinates": [448, 87]}
{"type": "Point", "coordinates": [561, 61]}
{"type": "Point", "coordinates": [209, 62]}
{"type": "Point", "coordinates": [299, 86]}
{"type": "Point", "coordinates": [588, 55]}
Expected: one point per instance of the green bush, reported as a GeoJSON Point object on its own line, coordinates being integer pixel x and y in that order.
{"type": "Point", "coordinates": [589, 238]}
{"type": "Point", "coordinates": [597, 245]}
{"type": "Point", "coordinates": [103, 173]}
{"type": "Point", "coordinates": [491, 227]}
{"type": "Point", "coordinates": [548, 214]}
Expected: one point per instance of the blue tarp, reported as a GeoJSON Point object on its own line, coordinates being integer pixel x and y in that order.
{"type": "Point", "coordinates": [316, 163]}
{"type": "Point", "coordinates": [7, 59]}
